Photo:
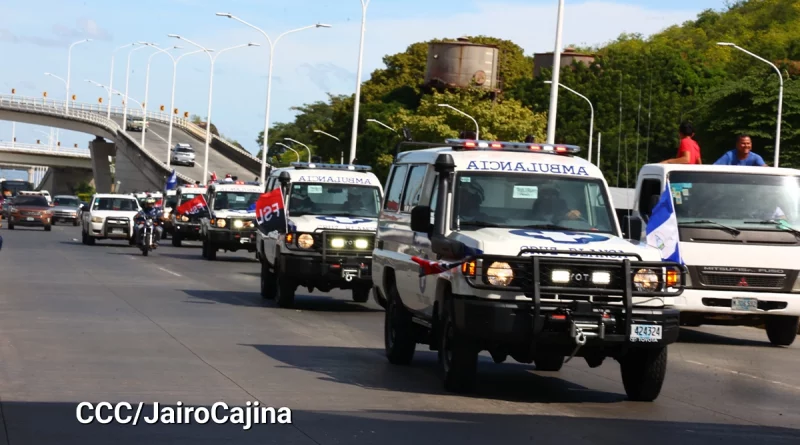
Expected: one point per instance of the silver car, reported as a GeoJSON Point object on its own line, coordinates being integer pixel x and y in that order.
{"type": "Point", "coordinates": [66, 208]}
{"type": "Point", "coordinates": [183, 154]}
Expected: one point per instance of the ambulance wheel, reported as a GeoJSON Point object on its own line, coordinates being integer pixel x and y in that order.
{"type": "Point", "coordinates": [210, 250]}
{"type": "Point", "coordinates": [643, 372]}
{"type": "Point", "coordinates": [267, 282]}
{"type": "Point", "coordinates": [284, 291]}
{"type": "Point", "coordinates": [398, 331]}
{"type": "Point", "coordinates": [361, 294]}
{"type": "Point", "coordinates": [176, 240]}
{"type": "Point", "coordinates": [458, 357]}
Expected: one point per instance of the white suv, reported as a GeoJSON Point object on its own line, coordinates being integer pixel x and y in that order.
{"type": "Point", "coordinates": [109, 216]}
{"type": "Point", "coordinates": [332, 212]}
{"type": "Point", "coordinates": [527, 261]}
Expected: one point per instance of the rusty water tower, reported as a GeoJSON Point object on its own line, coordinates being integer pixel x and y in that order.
{"type": "Point", "coordinates": [462, 64]}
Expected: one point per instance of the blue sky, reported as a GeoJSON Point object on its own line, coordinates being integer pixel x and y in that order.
{"type": "Point", "coordinates": [34, 36]}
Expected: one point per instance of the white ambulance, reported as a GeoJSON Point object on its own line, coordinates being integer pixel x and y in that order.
{"type": "Point", "coordinates": [230, 223]}
{"type": "Point", "coordinates": [332, 212]}
{"type": "Point", "coordinates": [739, 235]}
{"type": "Point", "coordinates": [534, 265]}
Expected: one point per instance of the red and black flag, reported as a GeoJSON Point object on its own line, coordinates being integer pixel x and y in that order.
{"type": "Point", "coordinates": [193, 206]}
{"type": "Point", "coordinates": [270, 214]}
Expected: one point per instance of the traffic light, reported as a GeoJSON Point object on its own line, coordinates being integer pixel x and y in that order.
{"type": "Point", "coordinates": [175, 111]}
{"type": "Point", "coordinates": [74, 97]}
{"type": "Point", "coordinates": [186, 114]}
{"type": "Point", "coordinates": [99, 100]}
{"type": "Point", "coordinates": [13, 91]}
{"type": "Point", "coordinates": [44, 94]}
{"type": "Point", "coordinates": [59, 143]}
{"type": "Point", "coordinates": [37, 141]}
{"type": "Point", "coordinates": [162, 108]}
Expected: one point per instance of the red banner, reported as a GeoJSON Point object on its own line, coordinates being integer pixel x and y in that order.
{"type": "Point", "coordinates": [270, 214]}
{"type": "Point", "coordinates": [192, 206]}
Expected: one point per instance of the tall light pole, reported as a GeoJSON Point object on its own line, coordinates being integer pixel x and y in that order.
{"type": "Point", "coordinates": [357, 103]}
{"type": "Point", "coordinates": [172, 99]}
{"type": "Point", "coordinates": [591, 118]}
{"type": "Point", "coordinates": [212, 59]}
{"type": "Point", "coordinates": [127, 78]}
{"type": "Point", "coordinates": [341, 158]}
{"type": "Point", "coordinates": [147, 88]}
{"type": "Point", "coordinates": [111, 76]}
{"type": "Point", "coordinates": [551, 115]}
{"type": "Point", "coordinates": [477, 129]}
{"type": "Point", "coordinates": [269, 79]}
{"type": "Point", "coordinates": [69, 67]}
{"type": "Point", "coordinates": [780, 95]}
{"type": "Point", "coordinates": [300, 143]}
{"type": "Point", "coordinates": [290, 148]}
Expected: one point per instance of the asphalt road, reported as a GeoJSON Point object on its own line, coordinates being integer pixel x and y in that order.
{"type": "Point", "coordinates": [103, 323]}
{"type": "Point", "coordinates": [156, 138]}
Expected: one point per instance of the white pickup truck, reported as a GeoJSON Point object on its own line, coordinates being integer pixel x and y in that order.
{"type": "Point", "coordinates": [739, 230]}
{"type": "Point", "coordinates": [109, 216]}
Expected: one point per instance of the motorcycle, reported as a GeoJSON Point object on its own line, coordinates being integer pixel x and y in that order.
{"type": "Point", "coordinates": [147, 237]}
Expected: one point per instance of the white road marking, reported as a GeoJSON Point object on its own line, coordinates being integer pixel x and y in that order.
{"type": "Point", "coordinates": [157, 135]}
{"type": "Point", "coordinates": [169, 271]}
{"type": "Point", "coordinates": [754, 377]}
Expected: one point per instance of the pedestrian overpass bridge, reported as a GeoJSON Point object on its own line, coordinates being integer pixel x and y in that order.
{"type": "Point", "coordinates": [140, 159]}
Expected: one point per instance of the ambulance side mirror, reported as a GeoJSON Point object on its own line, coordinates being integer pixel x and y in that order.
{"type": "Point", "coordinates": [632, 228]}
{"type": "Point", "coordinates": [421, 219]}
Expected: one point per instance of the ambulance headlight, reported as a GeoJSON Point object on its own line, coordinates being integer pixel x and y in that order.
{"type": "Point", "coordinates": [238, 224]}
{"type": "Point", "coordinates": [337, 243]}
{"type": "Point", "coordinates": [499, 274]}
{"type": "Point", "coordinates": [184, 218]}
{"type": "Point", "coordinates": [645, 280]}
{"type": "Point", "coordinates": [362, 244]}
{"type": "Point", "coordinates": [305, 241]}
{"type": "Point", "coordinates": [221, 223]}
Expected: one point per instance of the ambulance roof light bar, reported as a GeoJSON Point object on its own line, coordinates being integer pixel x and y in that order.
{"type": "Point", "coordinates": [316, 165]}
{"type": "Point", "coordinates": [471, 144]}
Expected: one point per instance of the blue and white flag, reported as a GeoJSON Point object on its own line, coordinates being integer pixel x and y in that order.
{"type": "Point", "coordinates": [172, 181]}
{"type": "Point", "coordinates": [662, 228]}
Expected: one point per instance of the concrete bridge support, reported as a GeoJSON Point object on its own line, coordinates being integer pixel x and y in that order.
{"type": "Point", "coordinates": [64, 180]}
{"type": "Point", "coordinates": [101, 166]}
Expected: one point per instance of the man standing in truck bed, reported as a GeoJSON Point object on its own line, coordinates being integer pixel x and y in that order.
{"type": "Point", "coordinates": [688, 150]}
{"type": "Point", "coordinates": [742, 154]}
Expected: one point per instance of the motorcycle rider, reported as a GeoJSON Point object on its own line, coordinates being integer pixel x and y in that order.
{"type": "Point", "coordinates": [149, 210]}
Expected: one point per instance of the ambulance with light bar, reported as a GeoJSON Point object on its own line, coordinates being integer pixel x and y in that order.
{"type": "Point", "coordinates": [331, 212]}
{"type": "Point", "coordinates": [738, 232]}
{"type": "Point", "coordinates": [528, 262]}
{"type": "Point", "coordinates": [230, 224]}
{"type": "Point", "coordinates": [186, 227]}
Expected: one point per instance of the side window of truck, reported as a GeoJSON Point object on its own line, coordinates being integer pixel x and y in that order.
{"type": "Point", "coordinates": [650, 188]}
{"type": "Point", "coordinates": [395, 188]}
{"type": "Point", "coordinates": [413, 189]}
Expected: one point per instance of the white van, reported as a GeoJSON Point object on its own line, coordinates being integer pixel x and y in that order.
{"type": "Point", "coordinates": [740, 239]}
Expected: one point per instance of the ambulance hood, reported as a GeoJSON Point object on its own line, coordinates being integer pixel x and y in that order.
{"type": "Point", "coordinates": [311, 223]}
{"type": "Point", "coordinates": [503, 241]}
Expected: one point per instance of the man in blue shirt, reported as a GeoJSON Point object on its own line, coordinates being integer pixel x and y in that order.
{"type": "Point", "coordinates": [742, 154]}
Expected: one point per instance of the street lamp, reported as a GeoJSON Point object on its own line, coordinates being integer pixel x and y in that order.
{"type": "Point", "coordinates": [551, 115]}
{"type": "Point", "coordinates": [69, 68]}
{"type": "Point", "coordinates": [147, 88]}
{"type": "Point", "coordinates": [780, 95]}
{"type": "Point", "coordinates": [357, 103]}
{"type": "Point", "coordinates": [300, 143]}
{"type": "Point", "coordinates": [212, 59]}
{"type": "Point", "coordinates": [59, 78]}
{"type": "Point", "coordinates": [341, 158]}
{"type": "Point", "coordinates": [127, 78]}
{"type": "Point", "coordinates": [269, 78]}
{"type": "Point", "coordinates": [384, 125]}
{"type": "Point", "coordinates": [290, 148]}
{"type": "Point", "coordinates": [591, 119]}
{"type": "Point", "coordinates": [477, 130]}
{"type": "Point", "coordinates": [111, 78]}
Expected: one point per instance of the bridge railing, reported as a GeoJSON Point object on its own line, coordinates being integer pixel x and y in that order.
{"type": "Point", "coordinates": [158, 116]}
{"type": "Point", "coordinates": [44, 149]}
{"type": "Point", "coordinates": [83, 114]}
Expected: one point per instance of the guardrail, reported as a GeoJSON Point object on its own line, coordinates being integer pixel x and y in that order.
{"type": "Point", "coordinates": [241, 156]}
{"type": "Point", "coordinates": [81, 114]}
{"type": "Point", "coordinates": [45, 149]}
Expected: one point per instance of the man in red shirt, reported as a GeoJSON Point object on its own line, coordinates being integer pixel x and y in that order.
{"type": "Point", "coordinates": [688, 150]}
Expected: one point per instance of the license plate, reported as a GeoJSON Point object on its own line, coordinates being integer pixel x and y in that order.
{"type": "Point", "coordinates": [29, 219]}
{"type": "Point", "coordinates": [744, 304]}
{"type": "Point", "coordinates": [349, 274]}
{"type": "Point", "coordinates": [244, 240]}
{"type": "Point", "coordinates": [646, 333]}
{"type": "Point", "coordinates": [116, 230]}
